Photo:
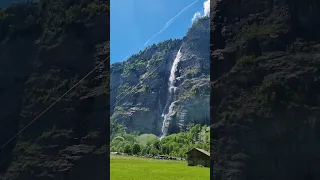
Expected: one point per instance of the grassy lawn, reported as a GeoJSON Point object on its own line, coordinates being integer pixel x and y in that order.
{"type": "Point", "coordinates": [134, 168]}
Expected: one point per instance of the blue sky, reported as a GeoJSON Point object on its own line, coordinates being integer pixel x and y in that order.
{"type": "Point", "coordinates": [136, 24]}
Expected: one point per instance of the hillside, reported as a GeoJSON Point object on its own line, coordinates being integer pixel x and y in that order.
{"type": "Point", "coordinates": [265, 90]}
{"type": "Point", "coordinates": [46, 48]}
{"type": "Point", "coordinates": [164, 87]}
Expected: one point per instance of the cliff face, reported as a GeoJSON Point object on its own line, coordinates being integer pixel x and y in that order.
{"type": "Point", "coordinates": [265, 89]}
{"type": "Point", "coordinates": [45, 49]}
{"type": "Point", "coordinates": [141, 109]}
{"type": "Point", "coordinates": [7, 3]}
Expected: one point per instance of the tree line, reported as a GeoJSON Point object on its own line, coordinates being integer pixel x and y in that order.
{"type": "Point", "coordinates": [174, 145]}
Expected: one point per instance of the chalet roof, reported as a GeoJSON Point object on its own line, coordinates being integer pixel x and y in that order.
{"type": "Point", "coordinates": [200, 150]}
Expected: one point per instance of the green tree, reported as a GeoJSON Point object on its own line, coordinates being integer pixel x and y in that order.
{"type": "Point", "coordinates": [156, 144]}
{"type": "Point", "coordinates": [113, 149]}
{"type": "Point", "coordinates": [154, 151]}
{"type": "Point", "coordinates": [136, 148]}
{"type": "Point", "coordinates": [127, 149]}
{"type": "Point", "coordinates": [165, 149]}
{"type": "Point", "coordinates": [121, 149]}
{"type": "Point", "coordinates": [129, 137]}
{"type": "Point", "coordinates": [173, 145]}
{"type": "Point", "coordinates": [144, 150]}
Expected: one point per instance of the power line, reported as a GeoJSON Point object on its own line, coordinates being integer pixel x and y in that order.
{"type": "Point", "coordinates": [49, 107]}
{"type": "Point", "coordinates": [35, 119]}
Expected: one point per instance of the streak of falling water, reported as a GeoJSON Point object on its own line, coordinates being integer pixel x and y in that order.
{"type": "Point", "coordinates": [166, 115]}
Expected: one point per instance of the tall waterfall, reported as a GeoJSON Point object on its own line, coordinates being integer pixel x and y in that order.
{"type": "Point", "coordinates": [171, 90]}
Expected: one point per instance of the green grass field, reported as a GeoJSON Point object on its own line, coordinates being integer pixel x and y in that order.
{"type": "Point", "coordinates": [134, 168]}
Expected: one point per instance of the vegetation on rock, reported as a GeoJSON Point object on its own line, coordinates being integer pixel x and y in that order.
{"type": "Point", "coordinates": [264, 90]}
{"type": "Point", "coordinates": [58, 42]}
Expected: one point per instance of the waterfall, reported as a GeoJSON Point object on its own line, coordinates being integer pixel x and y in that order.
{"type": "Point", "coordinates": [166, 114]}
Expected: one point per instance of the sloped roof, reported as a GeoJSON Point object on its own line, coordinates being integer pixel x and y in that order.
{"type": "Point", "coordinates": [200, 150]}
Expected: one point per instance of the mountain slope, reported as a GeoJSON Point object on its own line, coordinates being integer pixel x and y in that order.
{"type": "Point", "coordinates": [45, 49]}
{"type": "Point", "coordinates": [265, 90]}
{"type": "Point", "coordinates": [141, 109]}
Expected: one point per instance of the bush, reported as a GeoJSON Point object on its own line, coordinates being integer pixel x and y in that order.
{"type": "Point", "coordinates": [254, 30]}
{"type": "Point", "coordinates": [246, 59]}
{"type": "Point", "coordinates": [192, 71]}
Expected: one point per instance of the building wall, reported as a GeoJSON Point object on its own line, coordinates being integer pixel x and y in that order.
{"type": "Point", "coordinates": [198, 158]}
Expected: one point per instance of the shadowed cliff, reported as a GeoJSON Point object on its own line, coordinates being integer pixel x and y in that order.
{"type": "Point", "coordinates": [45, 49]}
{"type": "Point", "coordinates": [265, 89]}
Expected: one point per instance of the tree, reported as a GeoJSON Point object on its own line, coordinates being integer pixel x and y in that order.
{"type": "Point", "coordinates": [127, 149]}
{"type": "Point", "coordinates": [154, 151]}
{"type": "Point", "coordinates": [113, 149]}
{"type": "Point", "coordinates": [129, 137]}
{"type": "Point", "coordinates": [172, 145]}
{"type": "Point", "coordinates": [164, 149]}
{"type": "Point", "coordinates": [121, 149]}
{"type": "Point", "coordinates": [136, 149]}
{"type": "Point", "coordinates": [156, 144]}
{"type": "Point", "coordinates": [144, 150]}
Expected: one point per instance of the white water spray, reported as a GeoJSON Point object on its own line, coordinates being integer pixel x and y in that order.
{"type": "Point", "coordinates": [171, 91]}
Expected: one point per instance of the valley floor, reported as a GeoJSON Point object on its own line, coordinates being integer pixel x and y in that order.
{"type": "Point", "coordinates": [134, 168]}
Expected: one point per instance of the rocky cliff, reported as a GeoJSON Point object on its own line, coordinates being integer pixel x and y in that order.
{"type": "Point", "coordinates": [265, 89]}
{"type": "Point", "coordinates": [45, 49]}
{"type": "Point", "coordinates": [168, 81]}
{"type": "Point", "coordinates": [7, 3]}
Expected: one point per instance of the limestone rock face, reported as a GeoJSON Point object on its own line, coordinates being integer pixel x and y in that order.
{"type": "Point", "coordinates": [264, 91]}
{"type": "Point", "coordinates": [39, 62]}
{"type": "Point", "coordinates": [141, 109]}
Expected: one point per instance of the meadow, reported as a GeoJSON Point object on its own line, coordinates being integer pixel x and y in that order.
{"type": "Point", "coordinates": [135, 168]}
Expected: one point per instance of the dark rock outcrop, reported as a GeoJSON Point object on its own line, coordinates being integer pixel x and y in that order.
{"type": "Point", "coordinates": [44, 52]}
{"type": "Point", "coordinates": [265, 90]}
{"type": "Point", "coordinates": [7, 3]}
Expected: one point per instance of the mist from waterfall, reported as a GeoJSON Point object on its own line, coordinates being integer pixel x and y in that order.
{"type": "Point", "coordinates": [171, 90]}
